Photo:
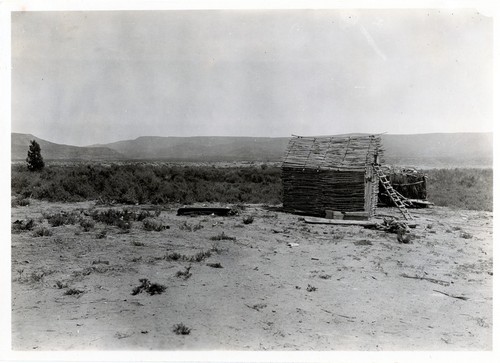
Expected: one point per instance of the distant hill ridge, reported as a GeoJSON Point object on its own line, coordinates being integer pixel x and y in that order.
{"type": "Point", "coordinates": [53, 151]}
{"type": "Point", "coordinates": [432, 150]}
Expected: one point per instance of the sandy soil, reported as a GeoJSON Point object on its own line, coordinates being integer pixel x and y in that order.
{"type": "Point", "coordinates": [336, 288]}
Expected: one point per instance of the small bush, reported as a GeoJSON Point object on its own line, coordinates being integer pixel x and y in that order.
{"type": "Point", "coordinates": [151, 224]}
{"type": "Point", "coordinates": [311, 288]}
{"type": "Point", "coordinates": [466, 235]}
{"type": "Point", "coordinates": [61, 285]}
{"type": "Point", "coordinates": [200, 256]}
{"type": "Point", "coordinates": [174, 256]}
{"type": "Point", "coordinates": [248, 220]}
{"type": "Point", "coordinates": [181, 329]}
{"type": "Point", "coordinates": [100, 262]}
{"type": "Point", "coordinates": [216, 248]}
{"type": "Point", "coordinates": [20, 202]}
{"type": "Point", "coordinates": [42, 232]}
{"type": "Point", "coordinates": [87, 224]}
{"type": "Point", "coordinates": [184, 274]}
{"type": "Point", "coordinates": [190, 227]}
{"type": "Point", "coordinates": [22, 225]}
{"type": "Point", "coordinates": [61, 219]}
{"type": "Point", "coordinates": [102, 234]}
{"type": "Point", "coordinates": [73, 292]}
{"type": "Point", "coordinates": [222, 236]}
{"type": "Point", "coordinates": [148, 287]}
{"type": "Point", "coordinates": [215, 265]}
{"type": "Point", "coordinates": [36, 277]}
{"type": "Point", "coordinates": [138, 244]}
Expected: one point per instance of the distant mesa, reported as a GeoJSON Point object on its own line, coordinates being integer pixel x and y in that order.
{"type": "Point", "coordinates": [420, 150]}
{"type": "Point", "coordinates": [53, 151]}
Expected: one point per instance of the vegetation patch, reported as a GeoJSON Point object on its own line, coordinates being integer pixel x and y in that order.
{"type": "Point", "coordinates": [152, 224]}
{"type": "Point", "coordinates": [190, 227]}
{"type": "Point", "coordinates": [184, 274]}
{"type": "Point", "coordinates": [461, 188]}
{"type": "Point", "coordinates": [73, 291]}
{"type": "Point", "coordinates": [61, 285]}
{"type": "Point", "coordinates": [42, 232]}
{"type": "Point", "coordinates": [215, 265]}
{"type": "Point", "coordinates": [222, 237]}
{"type": "Point", "coordinates": [87, 224]}
{"type": "Point", "coordinates": [20, 202]}
{"type": "Point", "coordinates": [19, 226]}
{"type": "Point", "coordinates": [144, 184]}
{"type": "Point", "coordinates": [362, 242]}
{"type": "Point", "coordinates": [311, 288]}
{"type": "Point", "coordinates": [148, 287]}
{"type": "Point", "coordinates": [174, 256]}
{"type": "Point", "coordinates": [61, 219]}
{"type": "Point", "coordinates": [181, 329]}
{"type": "Point", "coordinates": [102, 234]}
{"type": "Point", "coordinates": [248, 220]}
{"type": "Point", "coordinates": [257, 307]}
{"type": "Point", "coordinates": [200, 256]}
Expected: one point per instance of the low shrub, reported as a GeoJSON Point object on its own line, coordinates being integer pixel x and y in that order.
{"type": "Point", "coordinates": [42, 232]}
{"type": "Point", "coordinates": [461, 188]}
{"type": "Point", "coordinates": [185, 226]}
{"type": "Point", "coordinates": [73, 291]}
{"type": "Point", "coordinates": [156, 184]}
{"type": "Point", "coordinates": [19, 226]}
{"type": "Point", "coordinates": [174, 256]}
{"type": "Point", "coordinates": [151, 224]}
{"type": "Point", "coordinates": [248, 220]}
{"type": "Point", "coordinates": [181, 329]}
{"type": "Point", "coordinates": [184, 274]}
{"type": "Point", "coordinates": [148, 287]}
{"type": "Point", "coordinates": [20, 202]}
{"type": "Point", "coordinates": [87, 224]}
{"type": "Point", "coordinates": [222, 237]}
{"type": "Point", "coordinates": [200, 256]}
{"type": "Point", "coordinates": [102, 234]}
{"type": "Point", "coordinates": [61, 219]}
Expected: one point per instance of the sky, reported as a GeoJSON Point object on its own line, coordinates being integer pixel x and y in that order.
{"type": "Point", "coordinates": [84, 77]}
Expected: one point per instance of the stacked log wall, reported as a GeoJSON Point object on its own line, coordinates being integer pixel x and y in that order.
{"type": "Point", "coordinates": [313, 191]}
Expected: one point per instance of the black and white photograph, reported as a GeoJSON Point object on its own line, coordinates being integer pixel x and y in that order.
{"type": "Point", "coordinates": [254, 179]}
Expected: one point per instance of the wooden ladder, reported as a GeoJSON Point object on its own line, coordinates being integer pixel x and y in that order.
{"type": "Point", "coordinates": [393, 194]}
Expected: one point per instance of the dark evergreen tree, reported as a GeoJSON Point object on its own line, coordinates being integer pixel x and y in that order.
{"type": "Point", "coordinates": [35, 159]}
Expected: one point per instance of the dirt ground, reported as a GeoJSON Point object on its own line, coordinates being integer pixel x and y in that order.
{"type": "Point", "coordinates": [284, 284]}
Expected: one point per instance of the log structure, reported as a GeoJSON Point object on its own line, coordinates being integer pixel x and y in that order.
{"type": "Point", "coordinates": [331, 173]}
{"type": "Point", "coordinates": [409, 182]}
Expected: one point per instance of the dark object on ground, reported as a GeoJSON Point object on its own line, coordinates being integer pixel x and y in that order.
{"type": "Point", "coordinates": [435, 281]}
{"type": "Point", "coordinates": [184, 274]}
{"type": "Point", "coordinates": [21, 225]}
{"type": "Point", "coordinates": [453, 296]}
{"type": "Point", "coordinates": [391, 225]}
{"type": "Point", "coordinates": [215, 265]}
{"type": "Point", "coordinates": [315, 220]}
{"type": "Point", "coordinates": [204, 211]}
{"type": "Point", "coordinates": [362, 242]}
{"type": "Point", "coordinates": [311, 288]}
{"type": "Point", "coordinates": [181, 329]}
{"type": "Point", "coordinates": [248, 220]}
{"type": "Point", "coordinates": [150, 288]}
{"type": "Point", "coordinates": [73, 292]}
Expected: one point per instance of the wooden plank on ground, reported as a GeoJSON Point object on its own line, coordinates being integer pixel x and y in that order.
{"type": "Point", "coordinates": [315, 220]}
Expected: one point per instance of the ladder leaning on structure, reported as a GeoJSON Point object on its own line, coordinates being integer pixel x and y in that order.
{"type": "Point", "coordinates": [393, 194]}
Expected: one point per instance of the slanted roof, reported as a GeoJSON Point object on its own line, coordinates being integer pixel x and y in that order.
{"type": "Point", "coordinates": [345, 152]}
